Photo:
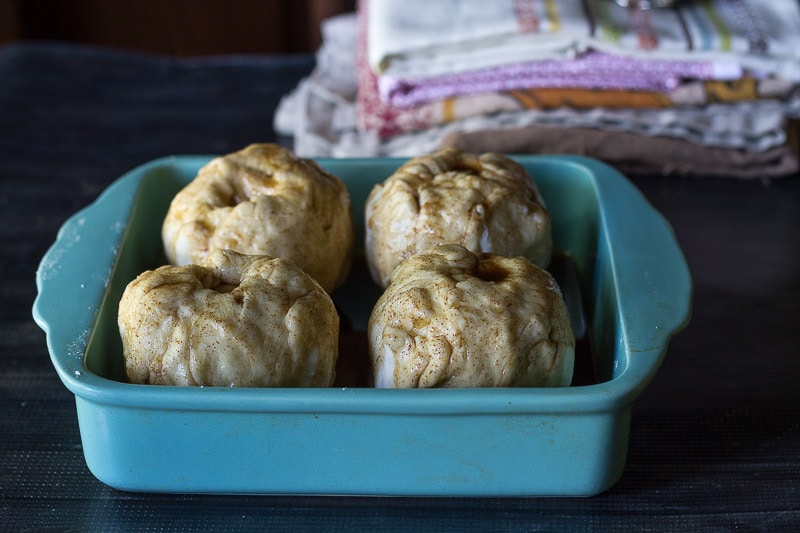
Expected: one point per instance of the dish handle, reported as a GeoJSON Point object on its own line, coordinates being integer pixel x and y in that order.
{"type": "Point", "coordinates": [76, 269]}
{"type": "Point", "coordinates": [648, 280]}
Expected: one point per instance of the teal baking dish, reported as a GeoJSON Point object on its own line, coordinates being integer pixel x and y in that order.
{"type": "Point", "coordinates": [353, 440]}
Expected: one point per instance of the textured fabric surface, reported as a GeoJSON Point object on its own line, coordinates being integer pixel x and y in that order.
{"type": "Point", "coordinates": [592, 70]}
{"type": "Point", "coordinates": [417, 38]}
{"type": "Point", "coordinates": [715, 440]}
{"type": "Point", "coordinates": [632, 154]}
{"type": "Point", "coordinates": [337, 111]}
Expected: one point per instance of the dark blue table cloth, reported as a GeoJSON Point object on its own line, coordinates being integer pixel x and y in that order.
{"type": "Point", "coordinates": [715, 439]}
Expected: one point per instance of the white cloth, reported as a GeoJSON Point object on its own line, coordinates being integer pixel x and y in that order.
{"type": "Point", "coordinates": [420, 38]}
{"type": "Point", "coordinates": [321, 116]}
{"type": "Point", "coordinates": [411, 38]}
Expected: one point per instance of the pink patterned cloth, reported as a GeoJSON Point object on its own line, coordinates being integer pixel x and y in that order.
{"type": "Point", "coordinates": [592, 70]}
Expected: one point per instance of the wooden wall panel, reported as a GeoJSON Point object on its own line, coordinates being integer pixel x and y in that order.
{"type": "Point", "coordinates": [9, 20]}
{"type": "Point", "coordinates": [180, 27]}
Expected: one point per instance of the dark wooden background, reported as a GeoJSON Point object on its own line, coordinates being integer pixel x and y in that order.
{"type": "Point", "coordinates": [175, 27]}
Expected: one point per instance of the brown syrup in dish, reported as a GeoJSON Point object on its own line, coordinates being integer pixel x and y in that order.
{"type": "Point", "coordinates": [488, 270]}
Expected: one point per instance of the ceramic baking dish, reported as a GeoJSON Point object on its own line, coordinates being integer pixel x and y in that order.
{"type": "Point", "coordinates": [572, 441]}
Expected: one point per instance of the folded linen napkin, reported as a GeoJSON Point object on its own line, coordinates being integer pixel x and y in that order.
{"type": "Point", "coordinates": [632, 154]}
{"type": "Point", "coordinates": [689, 97]}
{"type": "Point", "coordinates": [419, 38]}
{"type": "Point", "coordinates": [591, 70]}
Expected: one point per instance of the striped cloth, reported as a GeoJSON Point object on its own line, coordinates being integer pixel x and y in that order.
{"type": "Point", "coordinates": [416, 39]}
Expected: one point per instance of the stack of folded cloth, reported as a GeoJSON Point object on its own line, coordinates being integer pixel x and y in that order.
{"type": "Point", "coordinates": [708, 87]}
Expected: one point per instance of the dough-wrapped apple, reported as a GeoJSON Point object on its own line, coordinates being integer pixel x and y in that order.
{"type": "Point", "coordinates": [453, 318]}
{"type": "Point", "coordinates": [263, 200]}
{"type": "Point", "coordinates": [236, 321]}
{"type": "Point", "coordinates": [486, 203]}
